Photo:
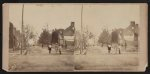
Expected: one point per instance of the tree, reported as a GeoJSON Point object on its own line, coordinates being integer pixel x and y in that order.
{"type": "Point", "coordinates": [28, 34]}
{"type": "Point", "coordinates": [91, 35]}
{"type": "Point", "coordinates": [104, 37]}
{"type": "Point", "coordinates": [45, 37]}
{"type": "Point", "coordinates": [115, 37]}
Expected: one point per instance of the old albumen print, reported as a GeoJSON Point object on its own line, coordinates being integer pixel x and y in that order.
{"type": "Point", "coordinates": [45, 37]}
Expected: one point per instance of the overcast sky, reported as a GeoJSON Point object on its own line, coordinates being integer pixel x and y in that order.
{"type": "Point", "coordinates": [95, 16]}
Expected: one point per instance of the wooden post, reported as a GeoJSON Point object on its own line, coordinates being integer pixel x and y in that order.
{"type": "Point", "coordinates": [22, 30]}
{"type": "Point", "coordinates": [81, 31]}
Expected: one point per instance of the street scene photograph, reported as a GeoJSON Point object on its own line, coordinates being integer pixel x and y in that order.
{"type": "Point", "coordinates": [73, 37]}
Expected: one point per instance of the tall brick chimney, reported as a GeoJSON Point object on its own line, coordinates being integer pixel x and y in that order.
{"type": "Point", "coordinates": [72, 24]}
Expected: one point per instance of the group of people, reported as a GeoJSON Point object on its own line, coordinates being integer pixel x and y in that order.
{"type": "Point", "coordinates": [116, 47]}
{"type": "Point", "coordinates": [117, 41]}
{"type": "Point", "coordinates": [56, 47]}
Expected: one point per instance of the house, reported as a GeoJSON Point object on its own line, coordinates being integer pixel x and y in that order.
{"type": "Point", "coordinates": [70, 30]}
{"type": "Point", "coordinates": [64, 37]}
{"type": "Point", "coordinates": [131, 32]}
{"type": "Point", "coordinates": [69, 35]}
{"type": "Point", "coordinates": [14, 37]}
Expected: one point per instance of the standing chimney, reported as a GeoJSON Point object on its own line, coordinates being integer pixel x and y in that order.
{"type": "Point", "coordinates": [72, 24]}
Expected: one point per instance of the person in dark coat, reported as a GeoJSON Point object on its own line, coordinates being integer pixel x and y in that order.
{"type": "Point", "coordinates": [109, 48]}
{"type": "Point", "coordinates": [49, 48]}
{"type": "Point", "coordinates": [60, 48]}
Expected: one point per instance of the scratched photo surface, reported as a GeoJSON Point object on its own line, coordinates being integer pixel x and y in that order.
{"type": "Point", "coordinates": [75, 37]}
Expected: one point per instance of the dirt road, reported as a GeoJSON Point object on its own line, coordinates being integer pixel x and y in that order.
{"type": "Point", "coordinates": [97, 58]}
{"type": "Point", "coordinates": [39, 59]}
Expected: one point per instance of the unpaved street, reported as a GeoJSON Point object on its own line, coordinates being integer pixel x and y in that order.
{"type": "Point", "coordinates": [97, 58]}
{"type": "Point", "coordinates": [39, 59]}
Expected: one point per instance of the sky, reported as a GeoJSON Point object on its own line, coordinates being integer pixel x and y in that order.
{"type": "Point", "coordinates": [95, 16]}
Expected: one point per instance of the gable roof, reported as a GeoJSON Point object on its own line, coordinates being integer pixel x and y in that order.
{"type": "Point", "coordinates": [69, 31]}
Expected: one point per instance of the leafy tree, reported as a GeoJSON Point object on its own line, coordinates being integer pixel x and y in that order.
{"type": "Point", "coordinates": [104, 37]}
{"type": "Point", "coordinates": [115, 37]}
{"type": "Point", "coordinates": [45, 37]}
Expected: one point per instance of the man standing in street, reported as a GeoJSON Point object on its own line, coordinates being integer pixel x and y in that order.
{"type": "Point", "coordinates": [109, 48]}
{"type": "Point", "coordinates": [49, 48]}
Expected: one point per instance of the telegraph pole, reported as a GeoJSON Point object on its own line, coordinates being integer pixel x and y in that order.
{"type": "Point", "coordinates": [81, 30]}
{"type": "Point", "coordinates": [22, 27]}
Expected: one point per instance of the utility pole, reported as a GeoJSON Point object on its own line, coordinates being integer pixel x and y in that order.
{"type": "Point", "coordinates": [22, 40]}
{"type": "Point", "coordinates": [81, 30]}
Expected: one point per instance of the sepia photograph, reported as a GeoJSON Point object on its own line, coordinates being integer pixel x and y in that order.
{"type": "Point", "coordinates": [51, 37]}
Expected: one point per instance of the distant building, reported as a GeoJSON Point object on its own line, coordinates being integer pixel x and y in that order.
{"type": "Point", "coordinates": [64, 37]}
{"type": "Point", "coordinates": [131, 32]}
{"type": "Point", "coordinates": [69, 35]}
{"type": "Point", "coordinates": [70, 30]}
{"type": "Point", "coordinates": [14, 37]}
